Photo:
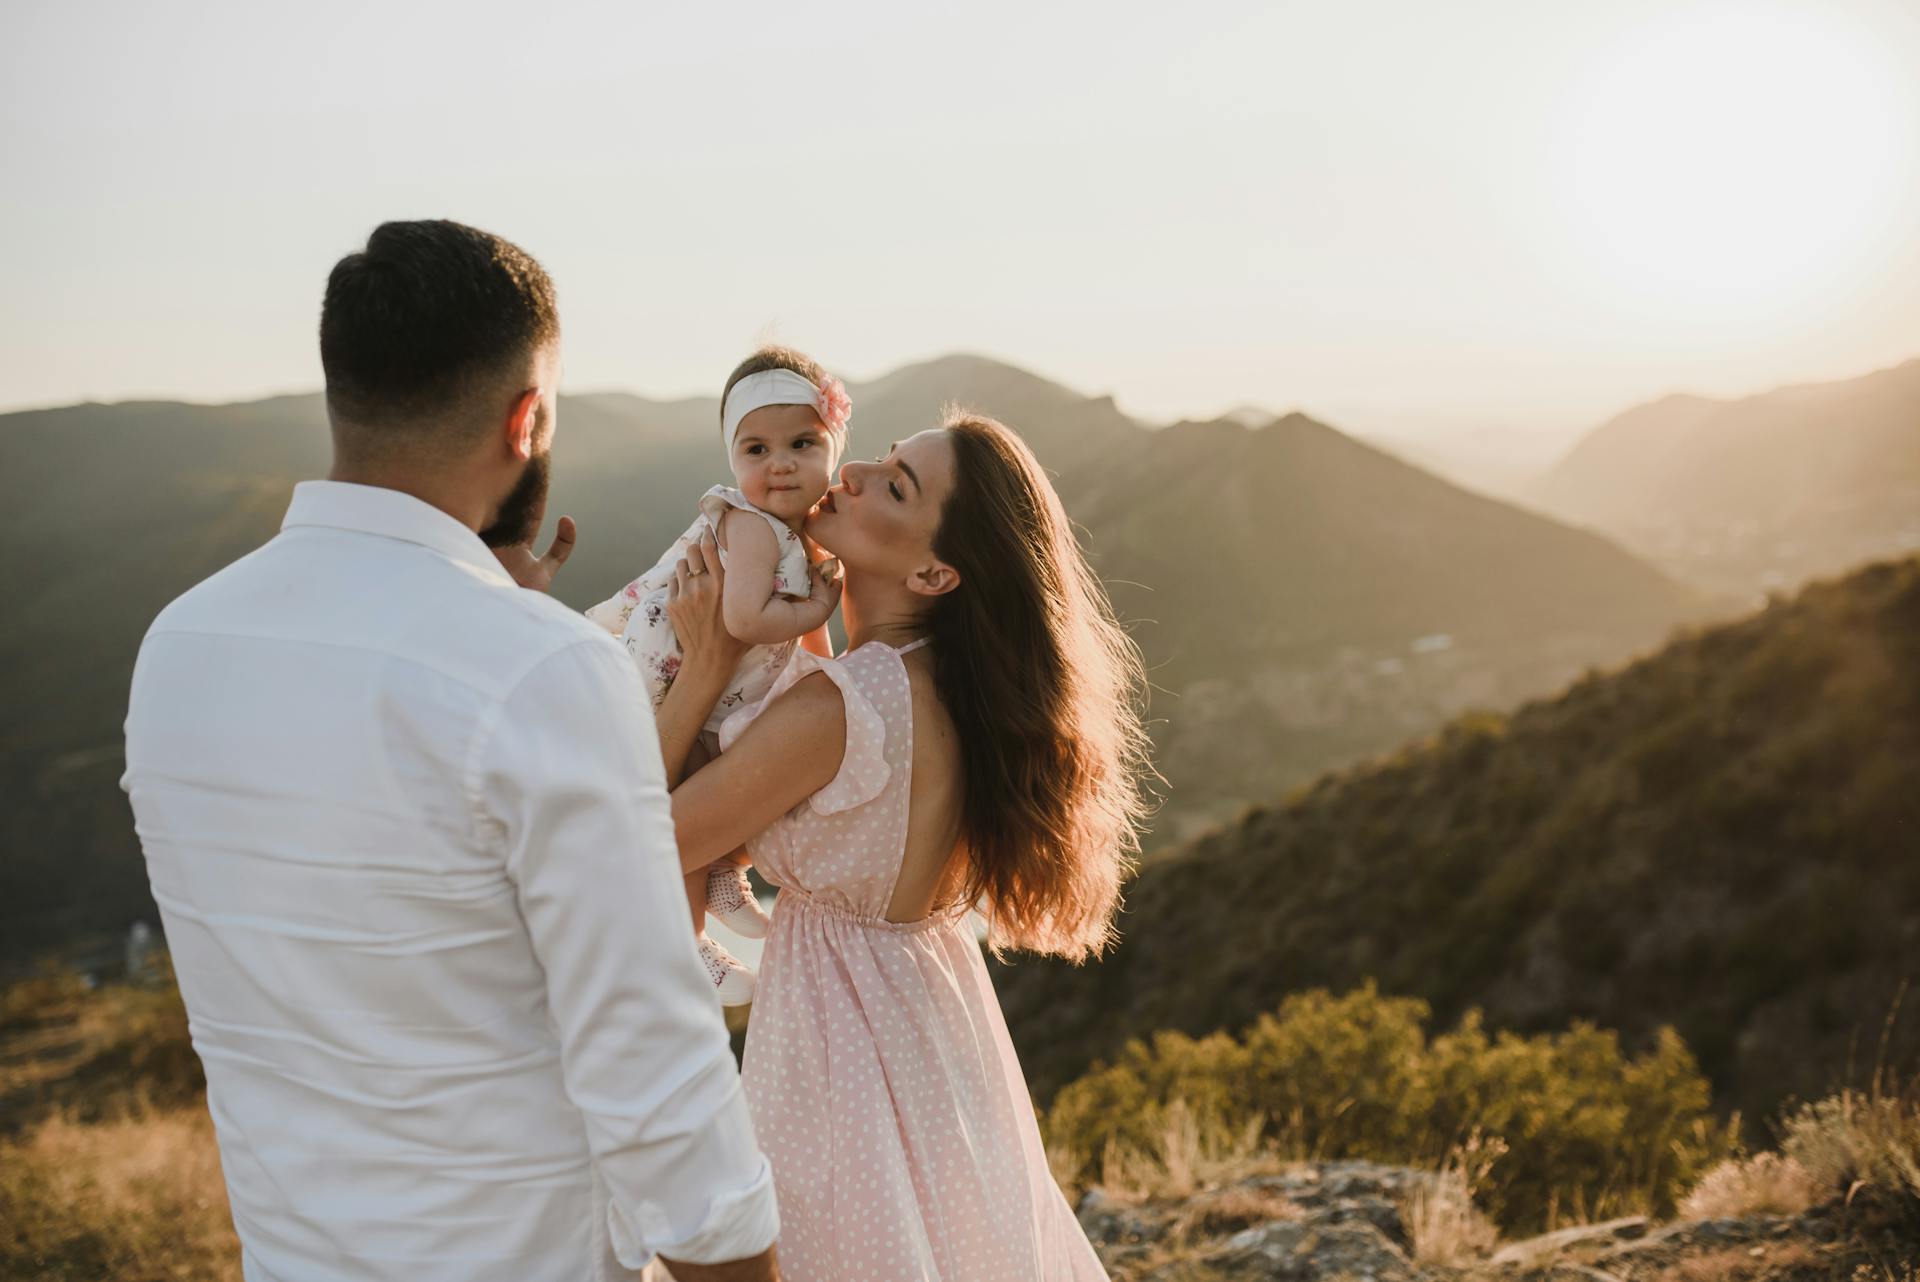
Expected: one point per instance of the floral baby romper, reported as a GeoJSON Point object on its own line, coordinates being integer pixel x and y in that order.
{"type": "Point", "coordinates": [637, 614]}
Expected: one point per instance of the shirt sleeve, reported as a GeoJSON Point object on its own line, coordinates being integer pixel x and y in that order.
{"type": "Point", "coordinates": [570, 778]}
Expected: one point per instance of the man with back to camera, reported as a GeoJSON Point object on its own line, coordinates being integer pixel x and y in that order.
{"type": "Point", "coordinates": [409, 834]}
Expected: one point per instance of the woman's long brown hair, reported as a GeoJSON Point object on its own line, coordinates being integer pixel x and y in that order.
{"type": "Point", "coordinates": [1046, 692]}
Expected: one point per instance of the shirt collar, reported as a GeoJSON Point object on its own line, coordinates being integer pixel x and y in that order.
{"type": "Point", "coordinates": [374, 509]}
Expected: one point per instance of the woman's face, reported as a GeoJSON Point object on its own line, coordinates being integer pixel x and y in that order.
{"type": "Point", "coordinates": [883, 515]}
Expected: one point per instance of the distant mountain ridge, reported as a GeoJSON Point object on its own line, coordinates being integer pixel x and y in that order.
{"type": "Point", "coordinates": [1759, 492]}
{"type": "Point", "coordinates": [1720, 836]}
{"type": "Point", "coordinates": [1302, 599]}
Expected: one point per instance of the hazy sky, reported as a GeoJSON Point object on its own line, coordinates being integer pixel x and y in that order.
{"type": "Point", "coordinates": [1400, 216]}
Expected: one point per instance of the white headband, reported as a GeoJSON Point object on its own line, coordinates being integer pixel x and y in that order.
{"type": "Point", "coordinates": [770, 387]}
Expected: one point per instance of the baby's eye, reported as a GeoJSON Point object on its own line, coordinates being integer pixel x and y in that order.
{"type": "Point", "coordinates": [756, 449]}
{"type": "Point", "coordinates": [803, 443]}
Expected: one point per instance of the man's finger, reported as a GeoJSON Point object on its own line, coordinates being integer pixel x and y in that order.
{"type": "Point", "coordinates": [564, 537]}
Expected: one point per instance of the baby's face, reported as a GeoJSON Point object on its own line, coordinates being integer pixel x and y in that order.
{"type": "Point", "coordinates": [783, 459]}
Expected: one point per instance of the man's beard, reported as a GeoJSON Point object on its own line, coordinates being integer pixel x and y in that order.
{"type": "Point", "coordinates": [519, 518]}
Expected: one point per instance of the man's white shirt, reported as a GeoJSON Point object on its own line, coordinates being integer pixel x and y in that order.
{"type": "Point", "coordinates": [409, 834]}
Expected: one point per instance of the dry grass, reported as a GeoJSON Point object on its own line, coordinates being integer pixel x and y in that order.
{"type": "Point", "coordinates": [1861, 1138]}
{"type": "Point", "coordinates": [1764, 1184]}
{"type": "Point", "coordinates": [1886, 1273]}
{"type": "Point", "coordinates": [108, 1166]}
{"type": "Point", "coordinates": [98, 1055]}
{"type": "Point", "coordinates": [1185, 1156]}
{"type": "Point", "coordinates": [27, 1003]}
{"type": "Point", "coordinates": [1744, 1264]}
{"type": "Point", "coordinates": [1445, 1225]}
{"type": "Point", "coordinates": [138, 1199]}
{"type": "Point", "coordinates": [1230, 1210]}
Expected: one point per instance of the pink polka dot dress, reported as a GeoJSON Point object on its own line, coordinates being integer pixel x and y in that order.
{"type": "Point", "coordinates": [883, 1085]}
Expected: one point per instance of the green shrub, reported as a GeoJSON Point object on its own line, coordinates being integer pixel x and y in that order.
{"type": "Point", "coordinates": [1586, 1129]}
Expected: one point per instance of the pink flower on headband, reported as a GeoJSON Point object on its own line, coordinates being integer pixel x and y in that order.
{"type": "Point", "coordinates": [834, 405]}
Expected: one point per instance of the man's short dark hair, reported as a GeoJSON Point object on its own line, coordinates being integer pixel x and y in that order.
{"type": "Point", "coordinates": [427, 310]}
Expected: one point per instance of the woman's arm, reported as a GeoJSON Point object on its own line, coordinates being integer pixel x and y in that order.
{"type": "Point", "coordinates": [818, 642]}
{"type": "Point", "coordinates": [708, 654]}
{"type": "Point", "coordinates": [791, 751]}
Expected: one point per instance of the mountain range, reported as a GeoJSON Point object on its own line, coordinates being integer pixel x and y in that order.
{"type": "Point", "coordinates": [1753, 494]}
{"type": "Point", "coordinates": [1303, 599]}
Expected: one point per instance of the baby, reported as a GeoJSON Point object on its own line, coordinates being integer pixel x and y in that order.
{"type": "Point", "coordinates": [784, 423]}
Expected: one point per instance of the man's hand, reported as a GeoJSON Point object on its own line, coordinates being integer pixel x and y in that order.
{"type": "Point", "coordinates": [761, 1268]}
{"type": "Point", "coordinates": [537, 572]}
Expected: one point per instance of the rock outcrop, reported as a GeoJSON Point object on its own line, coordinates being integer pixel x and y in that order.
{"type": "Point", "coordinates": [1349, 1222]}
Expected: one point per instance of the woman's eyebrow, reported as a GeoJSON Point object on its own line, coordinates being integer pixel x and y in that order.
{"type": "Point", "coordinates": [911, 474]}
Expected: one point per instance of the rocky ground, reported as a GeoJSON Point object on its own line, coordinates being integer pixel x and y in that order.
{"type": "Point", "coordinates": [1351, 1222]}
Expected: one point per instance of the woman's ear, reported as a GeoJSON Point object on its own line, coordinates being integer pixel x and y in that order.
{"type": "Point", "coordinates": [936, 579]}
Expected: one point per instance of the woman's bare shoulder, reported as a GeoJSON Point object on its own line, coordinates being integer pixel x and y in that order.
{"type": "Point", "coordinates": [932, 723]}
{"type": "Point", "coordinates": [814, 699]}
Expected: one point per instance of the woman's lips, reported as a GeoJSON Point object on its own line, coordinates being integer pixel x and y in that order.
{"type": "Point", "coordinates": [826, 502]}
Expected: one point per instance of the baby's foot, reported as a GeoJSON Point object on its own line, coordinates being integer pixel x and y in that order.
{"type": "Point", "coordinates": [730, 899]}
{"type": "Point", "coordinates": [734, 979]}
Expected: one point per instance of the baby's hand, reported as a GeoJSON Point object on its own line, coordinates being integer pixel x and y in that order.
{"type": "Point", "coordinates": [823, 596]}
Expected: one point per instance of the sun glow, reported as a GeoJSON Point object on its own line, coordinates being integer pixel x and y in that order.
{"type": "Point", "coordinates": [1739, 154]}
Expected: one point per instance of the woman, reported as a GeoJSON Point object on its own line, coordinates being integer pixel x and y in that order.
{"type": "Point", "coordinates": [979, 744]}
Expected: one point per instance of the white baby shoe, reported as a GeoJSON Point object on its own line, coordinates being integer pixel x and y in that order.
{"type": "Point", "coordinates": [730, 899]}
{"type": "Point", "coordinates": [735, 980]}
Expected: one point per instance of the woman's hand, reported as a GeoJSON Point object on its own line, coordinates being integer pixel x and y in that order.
{"type": "Point", "coordinates": [708, 654]}
{"type": "Point", "coordinates": [695, 604]}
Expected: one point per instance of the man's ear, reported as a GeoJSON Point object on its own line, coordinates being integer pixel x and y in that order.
{"type": "Point", "coordinates": [935, 579]}
{"type": "Point", "coordinates": [521, 420]}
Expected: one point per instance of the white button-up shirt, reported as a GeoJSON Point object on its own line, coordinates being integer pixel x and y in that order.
{"type": "Point", "coordinates": [409, 833]}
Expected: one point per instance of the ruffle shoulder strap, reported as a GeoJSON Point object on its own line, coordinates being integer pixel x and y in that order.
{"type": "Point", "coordinates": [864, 770]}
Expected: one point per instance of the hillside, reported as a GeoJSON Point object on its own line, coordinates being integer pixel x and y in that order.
{"type": "Point", "coordinates": [1306, 599]}
{"type": "Point", "coordinates": [1756, 493]}
{"type": "Point", "coordinates": [1303, 599]}
{"type": "Point", "coordinates": [1723, 836]}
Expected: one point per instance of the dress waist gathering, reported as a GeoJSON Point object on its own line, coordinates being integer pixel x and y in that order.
{"type": "Point", "coordinates": [792, 899]}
